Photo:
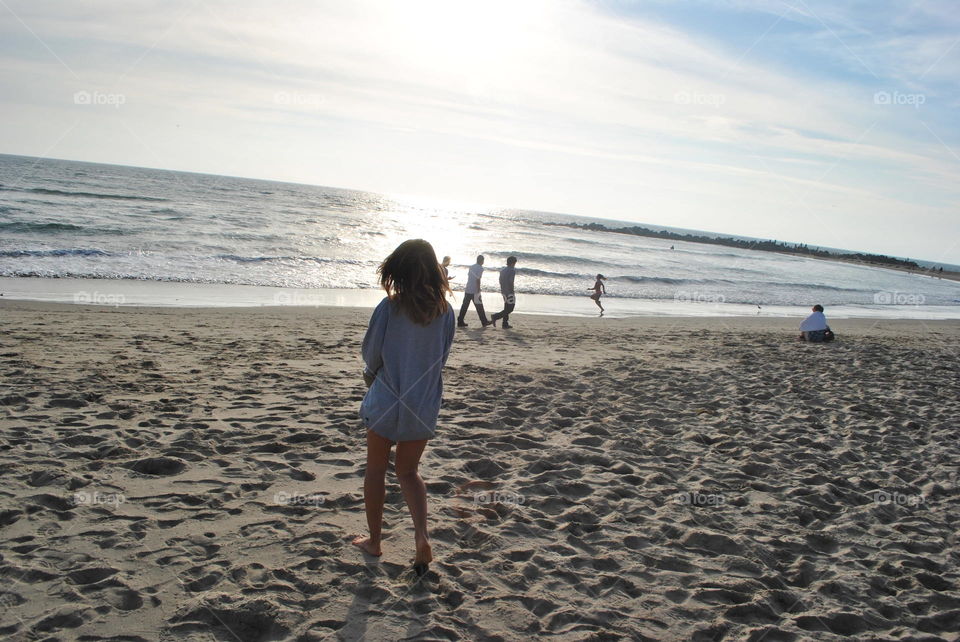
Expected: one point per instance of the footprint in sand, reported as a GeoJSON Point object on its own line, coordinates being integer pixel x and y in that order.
{"type": "Point", "coordinates": [157, 466]}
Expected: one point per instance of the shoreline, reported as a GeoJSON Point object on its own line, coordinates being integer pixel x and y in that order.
{"type": "Point", "coordinates": [920, 271]}
{"type": "Point", "coordinates": [159, 294]}
{"type": "Point", "coordinates": [765, 326]}
{"type": "Point", "coordinates": [843, 255]}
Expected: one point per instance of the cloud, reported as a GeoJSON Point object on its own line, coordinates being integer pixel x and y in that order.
{"type": "Point", "coordinates": [534, 103]}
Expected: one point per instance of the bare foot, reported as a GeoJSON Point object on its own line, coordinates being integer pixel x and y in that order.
{"type": "Point", "coordinates": [421, 563]}
{"type": "Point", "coordinates": [367, 546]}
{"type": "Point", "coordinates": [424, 553]}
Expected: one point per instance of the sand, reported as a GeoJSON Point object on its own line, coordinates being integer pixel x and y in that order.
{"type": "Point", "coordinates": [186, 474]}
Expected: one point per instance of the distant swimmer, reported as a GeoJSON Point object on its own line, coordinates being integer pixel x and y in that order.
{"type": "Point", "coordinates": [598, 290]}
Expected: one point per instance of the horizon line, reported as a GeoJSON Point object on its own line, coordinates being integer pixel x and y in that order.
{"type": "Point", "coordinates": [501, 207]}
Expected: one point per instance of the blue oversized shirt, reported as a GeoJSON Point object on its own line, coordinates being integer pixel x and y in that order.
{"type": "Point", "coordinates": [407, 360]}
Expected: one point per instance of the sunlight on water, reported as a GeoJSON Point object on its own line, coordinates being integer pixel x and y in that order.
{"type": "Point", "coordinates": [93, 221]}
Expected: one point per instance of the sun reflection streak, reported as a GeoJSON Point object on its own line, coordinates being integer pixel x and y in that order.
{"type": "Point", "coordinates": [454, 228]}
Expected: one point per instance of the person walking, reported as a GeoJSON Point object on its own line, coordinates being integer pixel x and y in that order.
{"type": "Point", "coordinates": [472, 293]}
{"type": "Point", "coordinates": [507, 275]}
{"type": "Point", "coordinates": [404, 350]}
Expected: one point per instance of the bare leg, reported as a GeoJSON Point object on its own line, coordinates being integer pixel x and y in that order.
{"type": "Point", "coordinates": [374, 491]}
{"type": "Point", "coordinates": [415, 494]}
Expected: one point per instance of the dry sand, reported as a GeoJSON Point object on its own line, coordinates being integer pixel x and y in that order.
{"type": "Point", "coordinates": [196, 474]}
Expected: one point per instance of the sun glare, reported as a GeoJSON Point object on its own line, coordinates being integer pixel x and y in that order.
{"type": "Point", "coordinates": [475, 42]}
{"type": "Point", "coordinates": [443, 222]}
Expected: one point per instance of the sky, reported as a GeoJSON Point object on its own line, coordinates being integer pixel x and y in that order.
{"type": "Point", "coordinates": [824, 122]}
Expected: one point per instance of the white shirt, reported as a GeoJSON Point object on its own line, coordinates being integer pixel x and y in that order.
{"type": "Point", "coordinates": [473, 279]}
{"type": "Point", "coordinates": [814, 322]}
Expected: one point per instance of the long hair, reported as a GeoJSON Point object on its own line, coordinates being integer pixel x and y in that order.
{"type": "Point", "coordinates": [414, 280]}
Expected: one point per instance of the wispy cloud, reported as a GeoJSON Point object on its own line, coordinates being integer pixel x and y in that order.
{"type": "Point", "coordinates": [741, 123]}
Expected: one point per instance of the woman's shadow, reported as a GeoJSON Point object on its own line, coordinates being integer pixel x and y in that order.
{"type": "Point", "coordinates": [373, 611]}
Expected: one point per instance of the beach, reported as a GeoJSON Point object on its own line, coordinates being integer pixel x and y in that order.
{"type": "Point", "coordinates": [104, 234]}
{"type": "Point", "coordinates": [196, 474]}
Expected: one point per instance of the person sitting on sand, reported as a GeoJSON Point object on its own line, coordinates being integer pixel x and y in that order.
{"type": "Point", "coordinates": [814, 328]}
{"type": "Point", "coordinates": [472, 293]}
{"type": "Point", "coordinates": [404, 351]}
{"type": "Point", "coordinates": [598, 289]}
{"type": "Point", "coordinates": [507, 276]}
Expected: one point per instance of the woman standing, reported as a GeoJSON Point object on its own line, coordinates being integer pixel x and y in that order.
{"type": "Point", "coordinates": [404, 351]}
{"type": "Point", "coordinates": [598, 290]}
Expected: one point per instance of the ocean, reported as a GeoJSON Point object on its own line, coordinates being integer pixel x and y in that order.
{"type": "Point", "coordinates": [94, 233]}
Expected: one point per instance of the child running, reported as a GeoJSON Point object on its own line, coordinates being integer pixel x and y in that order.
{"type": "Point", "coordinates": [404, 351]}
{"type": "Point", "coordinates": [598, 290]}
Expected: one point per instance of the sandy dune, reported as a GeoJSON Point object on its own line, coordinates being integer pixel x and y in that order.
{"type": "Point", "coordinates": [196, 474]}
